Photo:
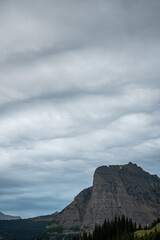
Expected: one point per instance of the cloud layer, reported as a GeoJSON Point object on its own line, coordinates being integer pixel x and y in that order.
{"type": "Point", "coordinates": [79, 88]}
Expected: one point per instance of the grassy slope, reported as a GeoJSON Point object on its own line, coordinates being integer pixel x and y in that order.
{"type": "Point", "coordinates": [141, 233]}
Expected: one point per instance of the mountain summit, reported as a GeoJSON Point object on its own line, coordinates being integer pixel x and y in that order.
{"type": "Point", "coordinates": [117, 190]}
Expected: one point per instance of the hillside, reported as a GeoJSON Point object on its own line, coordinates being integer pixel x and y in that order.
{"type": "Point", "coordinates": [7, 217]}
{"type": "Point", "coordinates": [142, 233]}
{"type": "Point", "coordinates": [21, 229]}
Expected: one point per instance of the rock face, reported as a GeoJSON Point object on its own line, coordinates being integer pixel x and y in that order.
{"type": "Point", "coordinates": [117, 190]}
{"type": "Point", "coordinates": [7, 217]}
{"type": "Point", "coordinates": [73, 214]}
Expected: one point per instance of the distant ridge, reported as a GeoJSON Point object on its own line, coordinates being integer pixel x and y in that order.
{"type": "Point", "coordinates": [117, 190]}
{"type": "Point", "coordinates": [45, 217]}
{"type": "Point", "coordinates": [7, 217]}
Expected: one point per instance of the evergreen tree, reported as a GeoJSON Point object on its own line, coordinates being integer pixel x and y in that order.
{"type": "Point", "coordinates": [120, 228]}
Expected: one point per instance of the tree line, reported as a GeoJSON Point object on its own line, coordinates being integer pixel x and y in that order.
{"type": "Point", "coordinates": [120, 228]}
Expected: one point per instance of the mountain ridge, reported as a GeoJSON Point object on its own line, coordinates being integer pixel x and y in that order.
{"type": "Point", "coordinates": [8, 217]}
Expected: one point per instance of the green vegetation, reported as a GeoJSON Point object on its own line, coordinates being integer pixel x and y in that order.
{"type": "Point", "coordinates": [141, 233]}
{"type": "Point", "coordinates": [21, 229]}
{"type": "Point", "coordinates": [152, 233]}
{"type": "Point", "coordinates": [150, 236]}
{"type": "Point", "coordinates": [120, 228]}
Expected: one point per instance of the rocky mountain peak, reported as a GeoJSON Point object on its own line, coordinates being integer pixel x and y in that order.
{"type": "Point", "coordinates": [108, 173]}
{"type": "Point", "coordinates": [117, 190]}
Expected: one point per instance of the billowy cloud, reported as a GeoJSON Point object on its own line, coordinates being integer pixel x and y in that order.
{"type": "Point", "coordinates": [79, 88]}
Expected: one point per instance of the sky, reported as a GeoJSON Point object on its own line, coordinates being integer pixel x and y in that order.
{"type": "Point", "coordinates": [79, 88]}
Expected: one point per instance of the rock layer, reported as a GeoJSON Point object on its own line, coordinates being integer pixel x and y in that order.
{"type": "Point", "coordinates": [117, 190]}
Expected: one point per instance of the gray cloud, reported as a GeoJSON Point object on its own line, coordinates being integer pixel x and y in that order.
{"type": "Point", "coordinates": [79, 88]}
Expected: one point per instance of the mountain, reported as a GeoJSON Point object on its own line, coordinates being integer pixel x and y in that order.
{"type": "Point", "coordinates": [7, 217]}
{"type": "Point", "coordinates": [117, 190]}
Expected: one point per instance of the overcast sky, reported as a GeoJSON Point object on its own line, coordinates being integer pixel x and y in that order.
{"type": "Point", "coordinates": [79, 88]}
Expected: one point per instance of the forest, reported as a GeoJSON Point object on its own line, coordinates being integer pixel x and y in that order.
{"type": "Point", "coordinates": [121, 228]}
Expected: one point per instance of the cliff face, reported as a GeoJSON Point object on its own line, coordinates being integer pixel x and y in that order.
{"type": "Point", "coordinates": [124, 190]}
{"type": "Point", "coordinates": [117, 190]}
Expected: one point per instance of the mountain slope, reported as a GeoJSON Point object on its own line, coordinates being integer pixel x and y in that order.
{"type": "Point", "coordinates": [117, 190]}
{"type": "Point", "coordinates": [7, 217]}
{"type": "Point", "coordinates": [74, 213]}
{"type": "Point", "coordinates": [141, 233]}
